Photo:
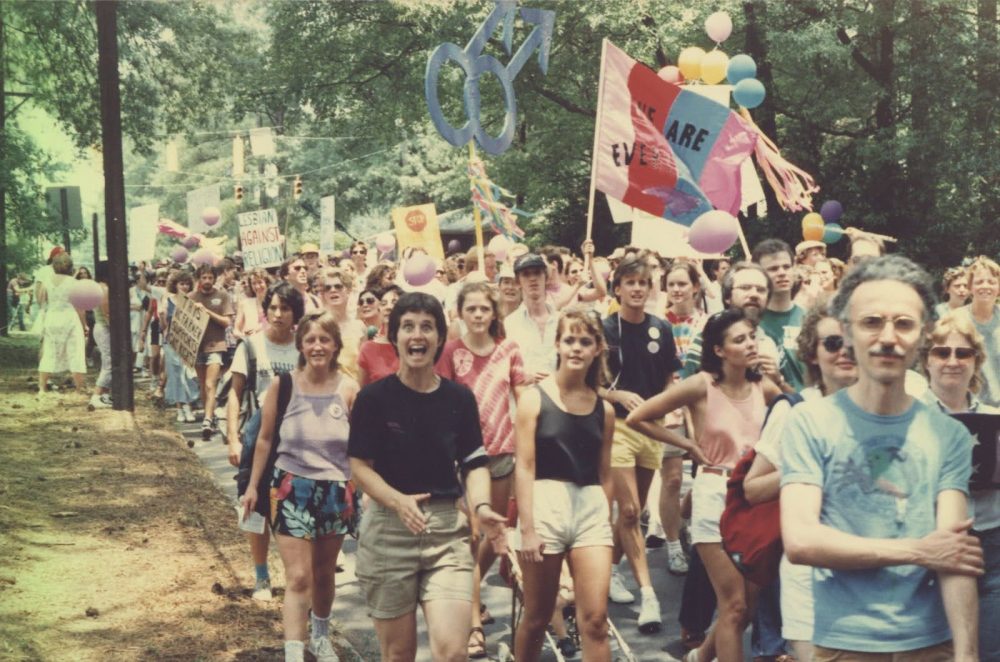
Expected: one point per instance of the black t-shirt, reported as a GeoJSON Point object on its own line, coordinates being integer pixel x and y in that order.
{"type": "Point", "coordinates": [641, 357]}
{"type": "Point", "coordinates": [416, 440]}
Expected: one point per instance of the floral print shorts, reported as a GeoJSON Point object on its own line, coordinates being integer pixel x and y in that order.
{"type": "Point", "coordinates": [309, 509]}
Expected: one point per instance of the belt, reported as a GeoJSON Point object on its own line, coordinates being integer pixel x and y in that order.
{"type": "Point", "coordinates": [718, 471]}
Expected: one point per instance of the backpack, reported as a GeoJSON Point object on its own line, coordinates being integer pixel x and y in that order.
{"type": "Point", "coordinates": [250, 432]}
{"type": "Point", "coordinates": [751, 533]}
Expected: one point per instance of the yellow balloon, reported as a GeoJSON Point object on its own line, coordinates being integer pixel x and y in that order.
{"type": "Point", "coordinates": [713, 67]}
{"type": "Point", "coordinates": [689, 62]}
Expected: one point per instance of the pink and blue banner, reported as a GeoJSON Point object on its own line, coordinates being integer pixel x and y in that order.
{"type": "Point", "coordinates": [664, 149]}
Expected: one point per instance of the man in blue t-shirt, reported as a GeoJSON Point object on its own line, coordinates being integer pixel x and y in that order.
{"type": "Point", "coordinates": [874, 490]}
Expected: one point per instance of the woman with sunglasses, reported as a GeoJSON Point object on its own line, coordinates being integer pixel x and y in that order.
{"type": "Point", "coordinates": [378, 357]}
{"type": "Point", "coordinates": [952, 360]}
{"type": "Point", "coordinates": [728, 400]}
{"type": "Point", "coordinates": [335, 289]}
{"type": "Point", "coordinates": [359, 256]}
{"type": "Point", "coordinates": [368, 311]}
{"type": "Point", "coordinates": [829, 368]}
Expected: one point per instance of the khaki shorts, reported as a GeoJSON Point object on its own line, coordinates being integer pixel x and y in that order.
{"type": "Point", "coordinates": [943, 652]}
{"type": "Point", "coordinates": [398, 570]}
{"type": "Point", "coordinates": [631, 448]}
{"type": "Point", "coordinates": [501, 465]}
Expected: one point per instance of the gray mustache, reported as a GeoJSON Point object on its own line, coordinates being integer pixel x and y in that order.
{"type": "Point", "coordinates": [888, 352]}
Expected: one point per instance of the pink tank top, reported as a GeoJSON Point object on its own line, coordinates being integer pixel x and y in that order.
{"type": "Point", "coordinates": [731, 427]}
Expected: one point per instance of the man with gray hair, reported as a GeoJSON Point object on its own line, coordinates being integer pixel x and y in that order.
{"type": "Point", "coordinates": [874, 490]}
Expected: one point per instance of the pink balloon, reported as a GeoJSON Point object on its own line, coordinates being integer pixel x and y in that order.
{"type": "Point", "coordinates": [713, 232]}
{"type": "Point", "coordinates": [419, 269]}
{"type": "Point", "coordinates": [671, 74]}
{"type": "Point", "coordinates": [85, 294]}
{"type": "Point", "coordinates": [385, 242]}
{"type": "Point", "coordinates": [191, 242]}
{"type": "Point", "coordinates": [179, 255]}
{"type": "Point", "coordinates": [203, 256]}
{"type": "Point", "coordinates": [719, 26]}
{"type": "Point", "coordinates": [499, 246]}
{"type": "Point", "coordinates": [211, 215]}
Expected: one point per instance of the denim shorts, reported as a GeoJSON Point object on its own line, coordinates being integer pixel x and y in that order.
{"type": "Point", "coordinates": [309, 509]}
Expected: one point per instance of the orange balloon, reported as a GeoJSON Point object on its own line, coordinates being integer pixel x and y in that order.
{"type": "Point", "coordinates": [812, 233]}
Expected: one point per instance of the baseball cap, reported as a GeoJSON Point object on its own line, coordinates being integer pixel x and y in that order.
{"type": "Point", "coordinates": [529, 261]}
{"type": "Point", "coordinates": [803, 246]}
{"type": "Point", "coordinates": [56, 250]}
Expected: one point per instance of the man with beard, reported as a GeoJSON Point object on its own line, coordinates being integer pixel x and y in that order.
{"type": "Point", "coordinates": [219, 306]}
{"type": "Point", "coordinates": [874, 488]}
{"type": "Point", "coordinates": [782, 318]}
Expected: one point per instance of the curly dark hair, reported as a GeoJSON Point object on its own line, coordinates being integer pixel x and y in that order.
{"type": "Point", "coordinates": [714, 335]}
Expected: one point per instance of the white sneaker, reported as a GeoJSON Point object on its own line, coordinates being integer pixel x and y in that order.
{"type": "Point", "coordinates": [98, 402]}
{"type": "Point", "coordinates": [649, 613]}
{"type": "Point", "coordinates": [677, 563]}
{"type": "Point", "coordinates": [262, 591]}
{"type": "Point", "coordinates": [188, 414]}
{"type": "Point", "coordinates": [322, 649]}
{"type": "Point", "coordinates": [617, 591]}
{"type": "Point", "coordinates": [180, 416]}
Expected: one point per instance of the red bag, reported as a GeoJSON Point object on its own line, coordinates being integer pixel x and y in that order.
{"type": "Point", "coordinates": [751, 534]}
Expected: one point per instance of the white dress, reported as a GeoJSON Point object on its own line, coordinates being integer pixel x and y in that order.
{"type": "Point", "coordinates": [63, 342]}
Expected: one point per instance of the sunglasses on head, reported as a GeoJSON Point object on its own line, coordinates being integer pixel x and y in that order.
{"type": "Point", "coordinates": [832, 343]}
{"type": "Point", "coordinates": [961, 353]}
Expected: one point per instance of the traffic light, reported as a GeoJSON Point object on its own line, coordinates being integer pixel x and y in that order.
{"type": "Point", "coordinates": [238, 192]}
{"type": "Point", "coordinates": [297, 187]}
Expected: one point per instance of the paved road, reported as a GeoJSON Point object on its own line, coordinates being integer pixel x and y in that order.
{"type": "Point", "coordinates": [349, 611]}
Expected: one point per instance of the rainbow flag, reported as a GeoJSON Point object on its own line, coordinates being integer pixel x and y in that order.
{"type": "Point", "coordinates": [668, 151]}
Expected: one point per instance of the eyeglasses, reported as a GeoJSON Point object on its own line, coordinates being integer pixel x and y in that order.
{"type": "Point", "coordinates": [333, 286]}
{"type": "Point", "coordinates": [301, 267]}
{"type": "Point", "coordinates": [359, 252]}
{"type": "Point", "coordinates": [903, 324]}
{"type": "Point", "coordinates": [367, 301]}
{"type": "Point", "coordinates": [832, 343]}
{"type": "Point", "coordinates": [961, 353]}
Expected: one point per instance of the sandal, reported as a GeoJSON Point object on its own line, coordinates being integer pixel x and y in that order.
{"type": "Point", "coordinates": [477, 644]}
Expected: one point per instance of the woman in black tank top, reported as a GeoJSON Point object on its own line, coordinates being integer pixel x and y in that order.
{"type": "Point", "coordinates": [563, 487]}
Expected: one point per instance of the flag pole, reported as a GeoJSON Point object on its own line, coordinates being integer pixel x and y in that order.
{"type": "Point", "coordinates": [597, 134]}
{"type": "Point", "coordinates": [480, 253]}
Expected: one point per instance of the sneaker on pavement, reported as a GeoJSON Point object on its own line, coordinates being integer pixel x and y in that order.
{"type": "Point", "coordinates": [649, 613]}
{"type": "Point", "coordinates": [262, 591]}
{"type": "Point", "coordinates": [188, 414]}
{"type": "Point", "coordinates": [617, 591]}
{"type": "Point", "coordinates": [677, 563]}
{"type": "Point", "coordinates": [322, 649]}
{"type": "Point", "coordinates": [206, 430]}
{"type": "Point", "coordinates": [180, 416]}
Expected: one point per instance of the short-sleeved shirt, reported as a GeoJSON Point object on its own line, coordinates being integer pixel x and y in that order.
{"type": "Point", "coordinates": [880, 477]}
{"type": "Point", "coordinates": [990, 392]}
{"type": "Point", "coordinates": [491, 379]}
{"type": "Point", "coordinates": [416, 441]}
{"type": "Point", "coordinates": [378, 360]}
{"type": "Point", "coordinates": [272, 360]}
{"type": "Point", "coordinates": [538, 348]}
{"type": "Point", "coordinates": [640, 356]}
{"type": "Point", "coordinates": [783, 328]}
{"type": "Point", "coordinates": [219, 302]}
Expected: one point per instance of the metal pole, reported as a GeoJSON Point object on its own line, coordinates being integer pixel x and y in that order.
{"type": "Point", "coordinates": [114, 203]}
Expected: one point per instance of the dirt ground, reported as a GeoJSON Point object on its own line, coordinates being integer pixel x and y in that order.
{"type": "Point", "coordinates": [115, 544]}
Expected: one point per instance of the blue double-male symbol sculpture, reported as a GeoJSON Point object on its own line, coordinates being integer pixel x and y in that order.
{"type": "Point", "coordinates": [475, 64]}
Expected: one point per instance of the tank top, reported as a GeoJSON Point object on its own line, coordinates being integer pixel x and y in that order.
{"type": "Point", "coordinates": [314, 436]}
{"type": "Point", "coordinates": [568, 446]}
{"type": "Point", "coordinates": [731, 427]}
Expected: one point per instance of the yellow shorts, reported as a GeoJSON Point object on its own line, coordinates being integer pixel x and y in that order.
{"type": "Point", "coordinates": [631, 448]}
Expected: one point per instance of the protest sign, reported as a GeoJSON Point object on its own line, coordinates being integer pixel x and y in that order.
{"type": "Point", "coordinates": [260, 239]}
{"type": "Point", "coordinates": [418, 227]}
{"type": "Point", "coordinates": [186, 329]}
{"type": "Point", "coordinates": [142, 232]}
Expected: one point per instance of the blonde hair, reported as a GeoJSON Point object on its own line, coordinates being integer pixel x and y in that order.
{"type": "Point", "coordinates": [958, 323]}
{"type": "Point", "coordinates": [326, 321]}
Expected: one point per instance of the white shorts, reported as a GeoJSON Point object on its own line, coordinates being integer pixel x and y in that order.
{"type": "Point", "coordinates": [796, 601]}
{"type": "Point", "coordinates": [568, 516]}
{"type": "Point", "coordinates": [708, 500]}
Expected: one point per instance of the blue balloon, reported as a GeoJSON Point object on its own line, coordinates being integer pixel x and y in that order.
{"type": "Point", "coordinates": [831, 211]}
{"type": "Point", "coordinates": [749, 93]}
{"type": "Point", "coordinates": [740, 68]}
{"type": "Point", "coordinates": [832, 232]}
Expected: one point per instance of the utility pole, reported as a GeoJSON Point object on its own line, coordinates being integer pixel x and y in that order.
{"type": "Point", "coordinates": [4, 316]}
{"type": "Point", "coordinates": [114, 203]}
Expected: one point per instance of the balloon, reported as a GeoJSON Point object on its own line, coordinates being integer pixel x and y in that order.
{"type": "Point", "coordinates": [740, 67]}
{"type": "Point", "coordinates": [454, 246]}
{"type": "Point", "coordinates": [749, 93]}
{"type": "Point", "coordinates": [211, 215]}
{"type": "Point", "coordinates": [713, 232]}
{"type": "Point", "coordinates": [671, 74]}
{"type": "Point", "coordinates": [419, 269]}
{"type": "Point", "coordinates": [689, 62]}
{"type": "Point", "coordinates": [719, 26]}
{"type": "Point", "coordinates": [713, 67]}
{"type": "Point", "coordinates": [831, 211]}
{"type": "Point", "coordinates": [499, 246]}
{"type": "Point", "coordinates": [812, 227]}
{"type": "Point", "coordinates": [385, 242]}
{"type": "Point", "coordinates": [832, 232]}
{"type": "Point", "coordinates": [85, 294]}
{"type": "Point", "coordinates": [179, 255]}
{"type": "Point", "coordinates": [191, 242]}
{"type": "Point", "coordinates": [203, 256]}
